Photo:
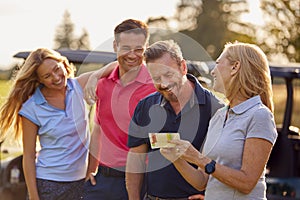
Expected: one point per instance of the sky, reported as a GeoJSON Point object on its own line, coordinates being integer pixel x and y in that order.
{"type": "Point", "coordinates": [29, 24]}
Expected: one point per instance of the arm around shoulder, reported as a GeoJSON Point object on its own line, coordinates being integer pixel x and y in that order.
{"type": "Point", "coordinates": [88, 81]}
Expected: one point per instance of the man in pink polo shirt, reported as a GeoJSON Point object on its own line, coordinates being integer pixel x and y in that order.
{"type": "Point", "coordinates": [117, 97]}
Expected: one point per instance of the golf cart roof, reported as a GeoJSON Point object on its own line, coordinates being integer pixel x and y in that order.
{"type": "Point", "coordinates": [199, 69]}
{"type": "Point", "coordinates": [80, 56]}
{"type": "Point", "coordinates": [291, 70]}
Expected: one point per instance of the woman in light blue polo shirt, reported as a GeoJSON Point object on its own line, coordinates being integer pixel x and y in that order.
{"type": "Point", "coordinates": [240, 136]}
{"type": "Point", "coordinates": [46, 101]}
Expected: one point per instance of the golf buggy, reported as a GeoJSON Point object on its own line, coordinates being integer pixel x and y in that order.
{"type": "Point", "coordinates": [283, 179]}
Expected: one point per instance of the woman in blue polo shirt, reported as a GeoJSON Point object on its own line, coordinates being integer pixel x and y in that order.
{"type": "Point", "coordinates": [46, 101]}
{"type": "Point", "coordinates": [240, 136]}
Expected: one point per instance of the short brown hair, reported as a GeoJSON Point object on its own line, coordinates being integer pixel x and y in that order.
{"type": "Point", "coordinates": [159, 48]}
{"type": "Point", "coordinates": [131, 26]}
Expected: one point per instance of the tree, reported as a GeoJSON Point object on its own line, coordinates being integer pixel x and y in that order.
{"type": "Point", "coordinates": [65, 37]}
{"type": "Point", "coordinates": [83, 41]}
{"type": "Point", "coordinates": [218, 23]}
{"type": "Point", "coordinates": [211, 23]}
{"type": "Point", "coordinates": [280, 34]}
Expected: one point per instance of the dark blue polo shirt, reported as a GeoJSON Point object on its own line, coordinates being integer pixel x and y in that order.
{"type": "Point", "coordinates": [155, 114]}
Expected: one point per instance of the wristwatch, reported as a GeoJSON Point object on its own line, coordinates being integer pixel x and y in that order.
{"type": "Point", "coordinates": [210, 167]}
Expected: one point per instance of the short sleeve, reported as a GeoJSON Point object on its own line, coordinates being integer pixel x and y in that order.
{"type": "Point", "coordinates": [137, 135]}
{"type": "Point", "coordinates": [28, 111]}
{"type": "Point", "coordinates": [263, 126]}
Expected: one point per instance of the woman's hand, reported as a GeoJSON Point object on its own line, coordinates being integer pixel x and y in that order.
{"type": "Point", "coordinates": [183, 149]}
{"type": "Point", "coordinates": [170, 153]}
{"type": "Point", "coordinates": [182, 155]}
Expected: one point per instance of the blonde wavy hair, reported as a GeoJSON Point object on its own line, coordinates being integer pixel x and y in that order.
{"type": "Point", "coordinates": [24, 85]}
{"type": "Point", "coordinates": [254, 77]}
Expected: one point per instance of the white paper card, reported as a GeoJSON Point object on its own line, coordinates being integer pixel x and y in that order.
{"type": "Point", "coordinates": [158, 140]}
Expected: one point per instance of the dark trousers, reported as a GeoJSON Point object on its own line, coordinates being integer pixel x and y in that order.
{"type": "Point", "coordinates": [106, 188]}
{"type": "Point", "coordinates": [149, 197]}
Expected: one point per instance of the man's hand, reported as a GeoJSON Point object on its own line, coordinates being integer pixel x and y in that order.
{"type": "Point", "coordinates": [90, 87]}
{"type": "Point", "coordinates": [196, 197]}
{"type": "Point", "coordinates": [91, 177]}
{"type": "Point", "coordinates": [92, 169]}
{"type": "Point", "coordinates": [90, 90]}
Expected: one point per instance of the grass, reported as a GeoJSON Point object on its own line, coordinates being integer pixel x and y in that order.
{"type": "Point", "coordinates": [4, 156]}
{"type": "Point", "coordinates": [4, 89]}
{"type": "Point", "coordinates": [14, 148]}
{"type": "Point", "coordinates": [280, 96]}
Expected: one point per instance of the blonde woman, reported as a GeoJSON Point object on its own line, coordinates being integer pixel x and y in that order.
{"type": "Point", "coordinates": [240, 136]}
{"type": "Point", "coordinates": [47, 102]}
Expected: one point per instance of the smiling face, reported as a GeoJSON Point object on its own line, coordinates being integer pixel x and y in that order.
{"type": "Point", "coordinates": [130, 49]}
{"type": "Point", "coordinates": [222, 73]}
{"type": "Point", "coordinates": [52, 74]}
{"type": "Point", "coordinates": [167, 76]}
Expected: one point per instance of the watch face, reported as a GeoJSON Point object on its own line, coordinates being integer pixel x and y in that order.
{"type": "Point", "coordinates": [210, 167]}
